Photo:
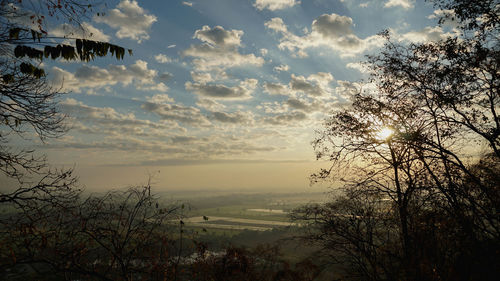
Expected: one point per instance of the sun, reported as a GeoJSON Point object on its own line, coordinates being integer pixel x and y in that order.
{"type": "Point", "coordinates": [384, 134]}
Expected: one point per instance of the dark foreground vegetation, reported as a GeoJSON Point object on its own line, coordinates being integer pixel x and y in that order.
{"type": "Point", "coordinates": [422, 203]}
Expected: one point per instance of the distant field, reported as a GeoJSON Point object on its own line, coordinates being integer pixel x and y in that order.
{"type": "Point", "coordinates": [240, 211]}
{"type": "Point", "coordinates": [235, 223]}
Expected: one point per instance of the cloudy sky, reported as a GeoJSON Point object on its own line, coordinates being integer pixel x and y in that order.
{"type": "Point", "coordinates": [218, 93]}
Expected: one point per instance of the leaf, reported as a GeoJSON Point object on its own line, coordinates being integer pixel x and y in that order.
{"type": "Point", "coordinates": [14, 33]}
{"type": "Point", "coordinates": [8, 78]}
{"type": "Point", "coordinates": [30, 69]}
{"type": "Point", "coordinates": [24, 51]}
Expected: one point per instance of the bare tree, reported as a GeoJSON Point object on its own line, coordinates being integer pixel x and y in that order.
{"type": "Point", "coordinates": [122, 235]}
{"type": "Point", "coordinates": [28, 104]}
{"type": "Point", "coordinates": [412, 143]}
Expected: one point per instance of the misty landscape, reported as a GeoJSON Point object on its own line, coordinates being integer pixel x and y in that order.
{"type": "Point", "coordinates": [275, 140]}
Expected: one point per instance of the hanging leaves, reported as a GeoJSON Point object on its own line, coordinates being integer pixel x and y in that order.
{"type": "Point", "coordinates": [25, 51]}
{"type": "Point", "coordinates": [14, 33]}
{"type": "Point", "coordinates": [30, 69]}
{"type": "Point", "coordinates": [87, 49]}
{"type": "Point", "coordinates": [8, 78]}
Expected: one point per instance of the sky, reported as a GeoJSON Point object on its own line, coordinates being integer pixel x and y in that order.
{"type": "Point", "coordinates": [220, 94]}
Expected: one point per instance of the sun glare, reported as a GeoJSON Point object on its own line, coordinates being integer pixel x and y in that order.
{"type": "Point", "coordinates": [384, 134]}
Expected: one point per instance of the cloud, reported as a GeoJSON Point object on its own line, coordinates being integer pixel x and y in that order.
{"type": "Point", "coordinates": [219, 50]}
{"type": "Point", "coordinates": [328, 30]}
{"type": "Point", "coordinates": [287, 118]}
{"type": "Point", "coordinates": [130, 20]}
{"type": "Point", "coordinates": [209, 58]}
{"type": "Point", "coordinates": [274, 5]}
{"type": "Point", "coordinates": [426, 34]}
{"type": "Point", "coordinates": [303, 105]}
{"type": "Point", "coordinates": [202, 77]}
{"type": "Point", "coordinates": [276, 24]}
{"type": "Point", "coordinates": [314, 85]}
{"type": "Point", "coordinates": [302, 85]}
{"type": "Point", "coordinates": [86, 30]}
{"type": "Point", "coordinates": [276, 89]}
{"type": "Point", "coordinates": [178, 113]}
{"type": "Point", "coordinates": [361, 67]}
{"type": "Point", "coordinates": [218, 37]}
{"type": "Point", "coordinates": [347, 89]}
{"type": "Point", "coordinates": [106, 120]}
{"type": "Point", "coordinates": [405, 4]}
{"type": "Point", "coordinates": [237, 117]}
{"type": "Point", "coordinates": [160, 98]}
{"type": "Point", "coordinates": [161, 58]}
{"type": "Point", "coordinates": [219, 91]}
{"type": "Point", "coordinates": [332, 25]}
{"type": "Point", "coordinates": [165, 76]}
{"type": "Point", "coordinates": [210, 104]}
{"type": "Point", "coordinates": [93, 77]}
{"type": "Point", "coordinates": [282, 67]}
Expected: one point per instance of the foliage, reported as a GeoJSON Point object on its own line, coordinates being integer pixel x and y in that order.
{"type": "Point", "coordinates": [239, 264]}
{"type": "Point", "coordinates": [28, 104]}
{"type": "Point", "coordinates": [421, 202]}
{"type": "Point", "coordinates": [118, 236]}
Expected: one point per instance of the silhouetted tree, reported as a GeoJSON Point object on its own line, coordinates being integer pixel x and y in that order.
{"type": "Point", "coordinates": [28, 104]}
{"type": "Point", "coordinates": [421, 199]}
{"type": "Point", "coordinates": [122, 235]}
{"type": "Point", "coordinates": [263, 263]}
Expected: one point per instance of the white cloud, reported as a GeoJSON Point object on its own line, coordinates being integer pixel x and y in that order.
{"type": "Point", "coordinates": [282, 67]}
{"type": "Point", "coordinates": [447, 17]}
{"type": "Point", "coordinates": [202, 78]}
{"type": "Point", "coordinates": [161, 58]}
{"type": "Point", "coordinates": [218, 37]}
{"type": "Point", "coordinates": [347, 89]}
{"type": "Point", "coordinates": [178, 113]}
{"type": "Point", "coordinates": [93, 77]}
{"type": "Point", "coordinates": [306, 106]}
{"type": "Point", "coordinates": [210, 104]}
{"type": "Point", "coordinates": [276, 89]}
{"type": "Point", "coordinates": [277, 25]}
{"type": "Point", "coordinates": [328, 30]}
{"type": "Point", "coordinates": [301, 85]}
{"type": "Point", "coordinates": [160, 98]}
{"type": "Point", "coordinates": [315, 85]}
{"type": "Point", "coordinates": [219, 91]}
{"type": "Point", "coordinates": [405, 4]}
{"type": "Point", "coordinates": [238, 117]}
{"type": "Point", "coordinates": [106, 120]}
{"type": "Point", "coordinates": [288, 119]}
{"type": "Point", "coordinates": [85, 31]}
{"type": "Point", "coordinates": [219, 50]}
{"type": "Point", "coordinates": [274, 5]}
{"type": "Point", "coordinates": [358, 66]}
{"type": "Point", "coordinates": [130, 19]}
{"type": "Point", "coordinates": [426, 34]}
